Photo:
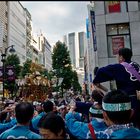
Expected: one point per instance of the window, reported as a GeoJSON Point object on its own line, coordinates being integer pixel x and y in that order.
{"type": "Point", "coordinates": [139, 5]}
{"type": "Point", "coordinates": [118, 36]}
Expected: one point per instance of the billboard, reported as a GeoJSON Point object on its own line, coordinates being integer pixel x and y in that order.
{"type": "Point", "coordinates": [117, 43]}
{"type": "Point", "coordinates": [114, 6]}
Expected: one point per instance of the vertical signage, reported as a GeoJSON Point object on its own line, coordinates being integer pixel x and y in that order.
{"type": "Point", "coordinates": [92, 16]}
{"type": "Point", "coordinates": [10, 74]}
{"type": "Point", "coordinates": [87, 28]}
{"type": "Point", "coordinates": [114, 6]}
{"type": "Point", "coordinates": [1, 74]}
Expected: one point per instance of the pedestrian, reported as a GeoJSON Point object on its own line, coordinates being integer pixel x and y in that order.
{"type": "Point", "coordinates": [47, 107]}
{"type": "Point", "coordinates": [123, 77]}
{"type": "Point", "coordinates": [24, 113]}
{"type": "Point", "coordinates": [117, 112]}
{"type": "Point", "coordinates": [52, 126]}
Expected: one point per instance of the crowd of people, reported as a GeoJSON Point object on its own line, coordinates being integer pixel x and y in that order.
{"type": "Point", "coordinates": [112, 114]}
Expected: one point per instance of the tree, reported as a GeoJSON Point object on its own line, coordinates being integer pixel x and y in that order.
{"type": "Point", "coordinates": [61, 63]}
{"type": "Point", "coordinates": [75, 83]}
{"type": "Point", "coordinates": [26, 67]}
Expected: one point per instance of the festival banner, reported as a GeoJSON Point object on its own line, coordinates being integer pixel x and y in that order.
{"type": "Point", "coordinates": [93, 27]}
{"type": "Point", "coordinates": [10, 73]}
{"type": "Point", "coordinates": [1, 74]}
{"type": "Point", "coordinates": [114, 6]}
{"type": "Point", "coordinates": [117, 43]}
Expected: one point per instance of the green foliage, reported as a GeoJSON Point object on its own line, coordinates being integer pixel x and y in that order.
{"type": "Point", "coordinates": [60, 56]}
{"type": "Point", "coordinates": [75, 83]}
{"type": "Point", "coordinates": [61, 63]}
{"type": "Point", "coordinates": [13, 60]}
{"type": "Point", "coordinates": [26, 67]}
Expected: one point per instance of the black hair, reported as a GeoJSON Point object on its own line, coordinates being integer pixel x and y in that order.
{"type": "Point", "coordinates": [118, 96]}
{"type": "Point", "coordinates": [53, 122]}
{"type": "Point", "coordinates": [97, 95]}
{"type": "Point", "coordinates": [126, 53]}
{"type": "Point", "coordinates": [96, 107]}
{"type": "Point", "coordinates": [24, 112]}
{"type": "Point", "coordinates": [48, 106]}
{"type": "Point", "coordinates": [95, 70]}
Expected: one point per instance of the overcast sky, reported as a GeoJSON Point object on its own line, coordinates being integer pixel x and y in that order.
{"type": "Point", "coordinates": [56, 19]}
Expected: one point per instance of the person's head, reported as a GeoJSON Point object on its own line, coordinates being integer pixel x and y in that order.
{"type": "Point", "coordinates": [24, 112]}
{"type": "Point", "coordinates": [116, 107]}
{"type": "Point", "coordinates": [96, 111]}
{"type": "Point", "coordinates": [48, 106]}
{"type": "Point", "coordinates": [124, 54]}
{"type": "Point", "coordinates": [97, 96]}
{"type": "Point", "coordinates": [52, 126]}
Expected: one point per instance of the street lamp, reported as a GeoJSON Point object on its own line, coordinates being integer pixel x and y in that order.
{"type": "Point", "coordinates": [3, 55]}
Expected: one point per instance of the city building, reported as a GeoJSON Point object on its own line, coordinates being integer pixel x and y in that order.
{"type": "Point", "coordinates": [113, 25]}
{"type": "Point", "coordinates": [76, 42]}
{"type": "Point", "coordinates": [3, 23]}
{"type": "Point", "coordinates": [35, 49]}
{"type": "Point", "coordinates": [29, 48]}
{"type": "Point", "coordinates": [45, 52]}
{"type": "Point", "coordinates": [17, 29]}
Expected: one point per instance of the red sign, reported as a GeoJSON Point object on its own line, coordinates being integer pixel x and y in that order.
{"type": "Point", "coordinates": [114, 6]}
{"type": "Point", "coordinates": [117, 43]}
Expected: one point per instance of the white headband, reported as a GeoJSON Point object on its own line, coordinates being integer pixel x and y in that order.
{"type": "Point", "coordinates": [95, 111]}
{"type": "Point", "coordinates": [113, 107]}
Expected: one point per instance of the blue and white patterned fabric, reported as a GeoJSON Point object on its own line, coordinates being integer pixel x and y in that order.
{"type": "Point", "coordinates": [5, 126]}
{"type": "Point", "coordinates": [35, 121]}
{"type": "Point", "coordinates": [19, 132]}
{"type": "Point", "coordinates": [80, 129]}
{"type": "Point", "coordinates": [126, 131]}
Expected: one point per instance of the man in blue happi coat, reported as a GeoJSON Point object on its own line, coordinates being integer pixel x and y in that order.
{"type": "Point", "coordinates": [24, 112]}
{"type": "Point", "coordinates": [117, 113]}
{"type": "Point", "coordinates": [47, 107]}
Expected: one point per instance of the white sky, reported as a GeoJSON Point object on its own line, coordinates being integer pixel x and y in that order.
{"type": "Point", "coordinates": [57, 18]}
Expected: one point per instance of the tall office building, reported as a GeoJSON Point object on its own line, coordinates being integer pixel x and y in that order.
{"type": "Point", "coordinates": [3, 23]}
{"type": "Point", "coordinates": [17, 29]}
{"type": "Point", "coordinates": [29, 48]}
{"type": "Point", "coordinates": [72, 45]}
{"type": "Point", "coordinates": [76, 42]}
{"type": "Point", "coordinates": [45, 52]}
{"type": "Point", "coordinates": [82, 44]}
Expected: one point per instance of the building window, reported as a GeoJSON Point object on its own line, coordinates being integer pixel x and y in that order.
{"type": "Point", "coordinates": [118, 36]}
{"type": "Point", "coordinates": [139, 5]}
